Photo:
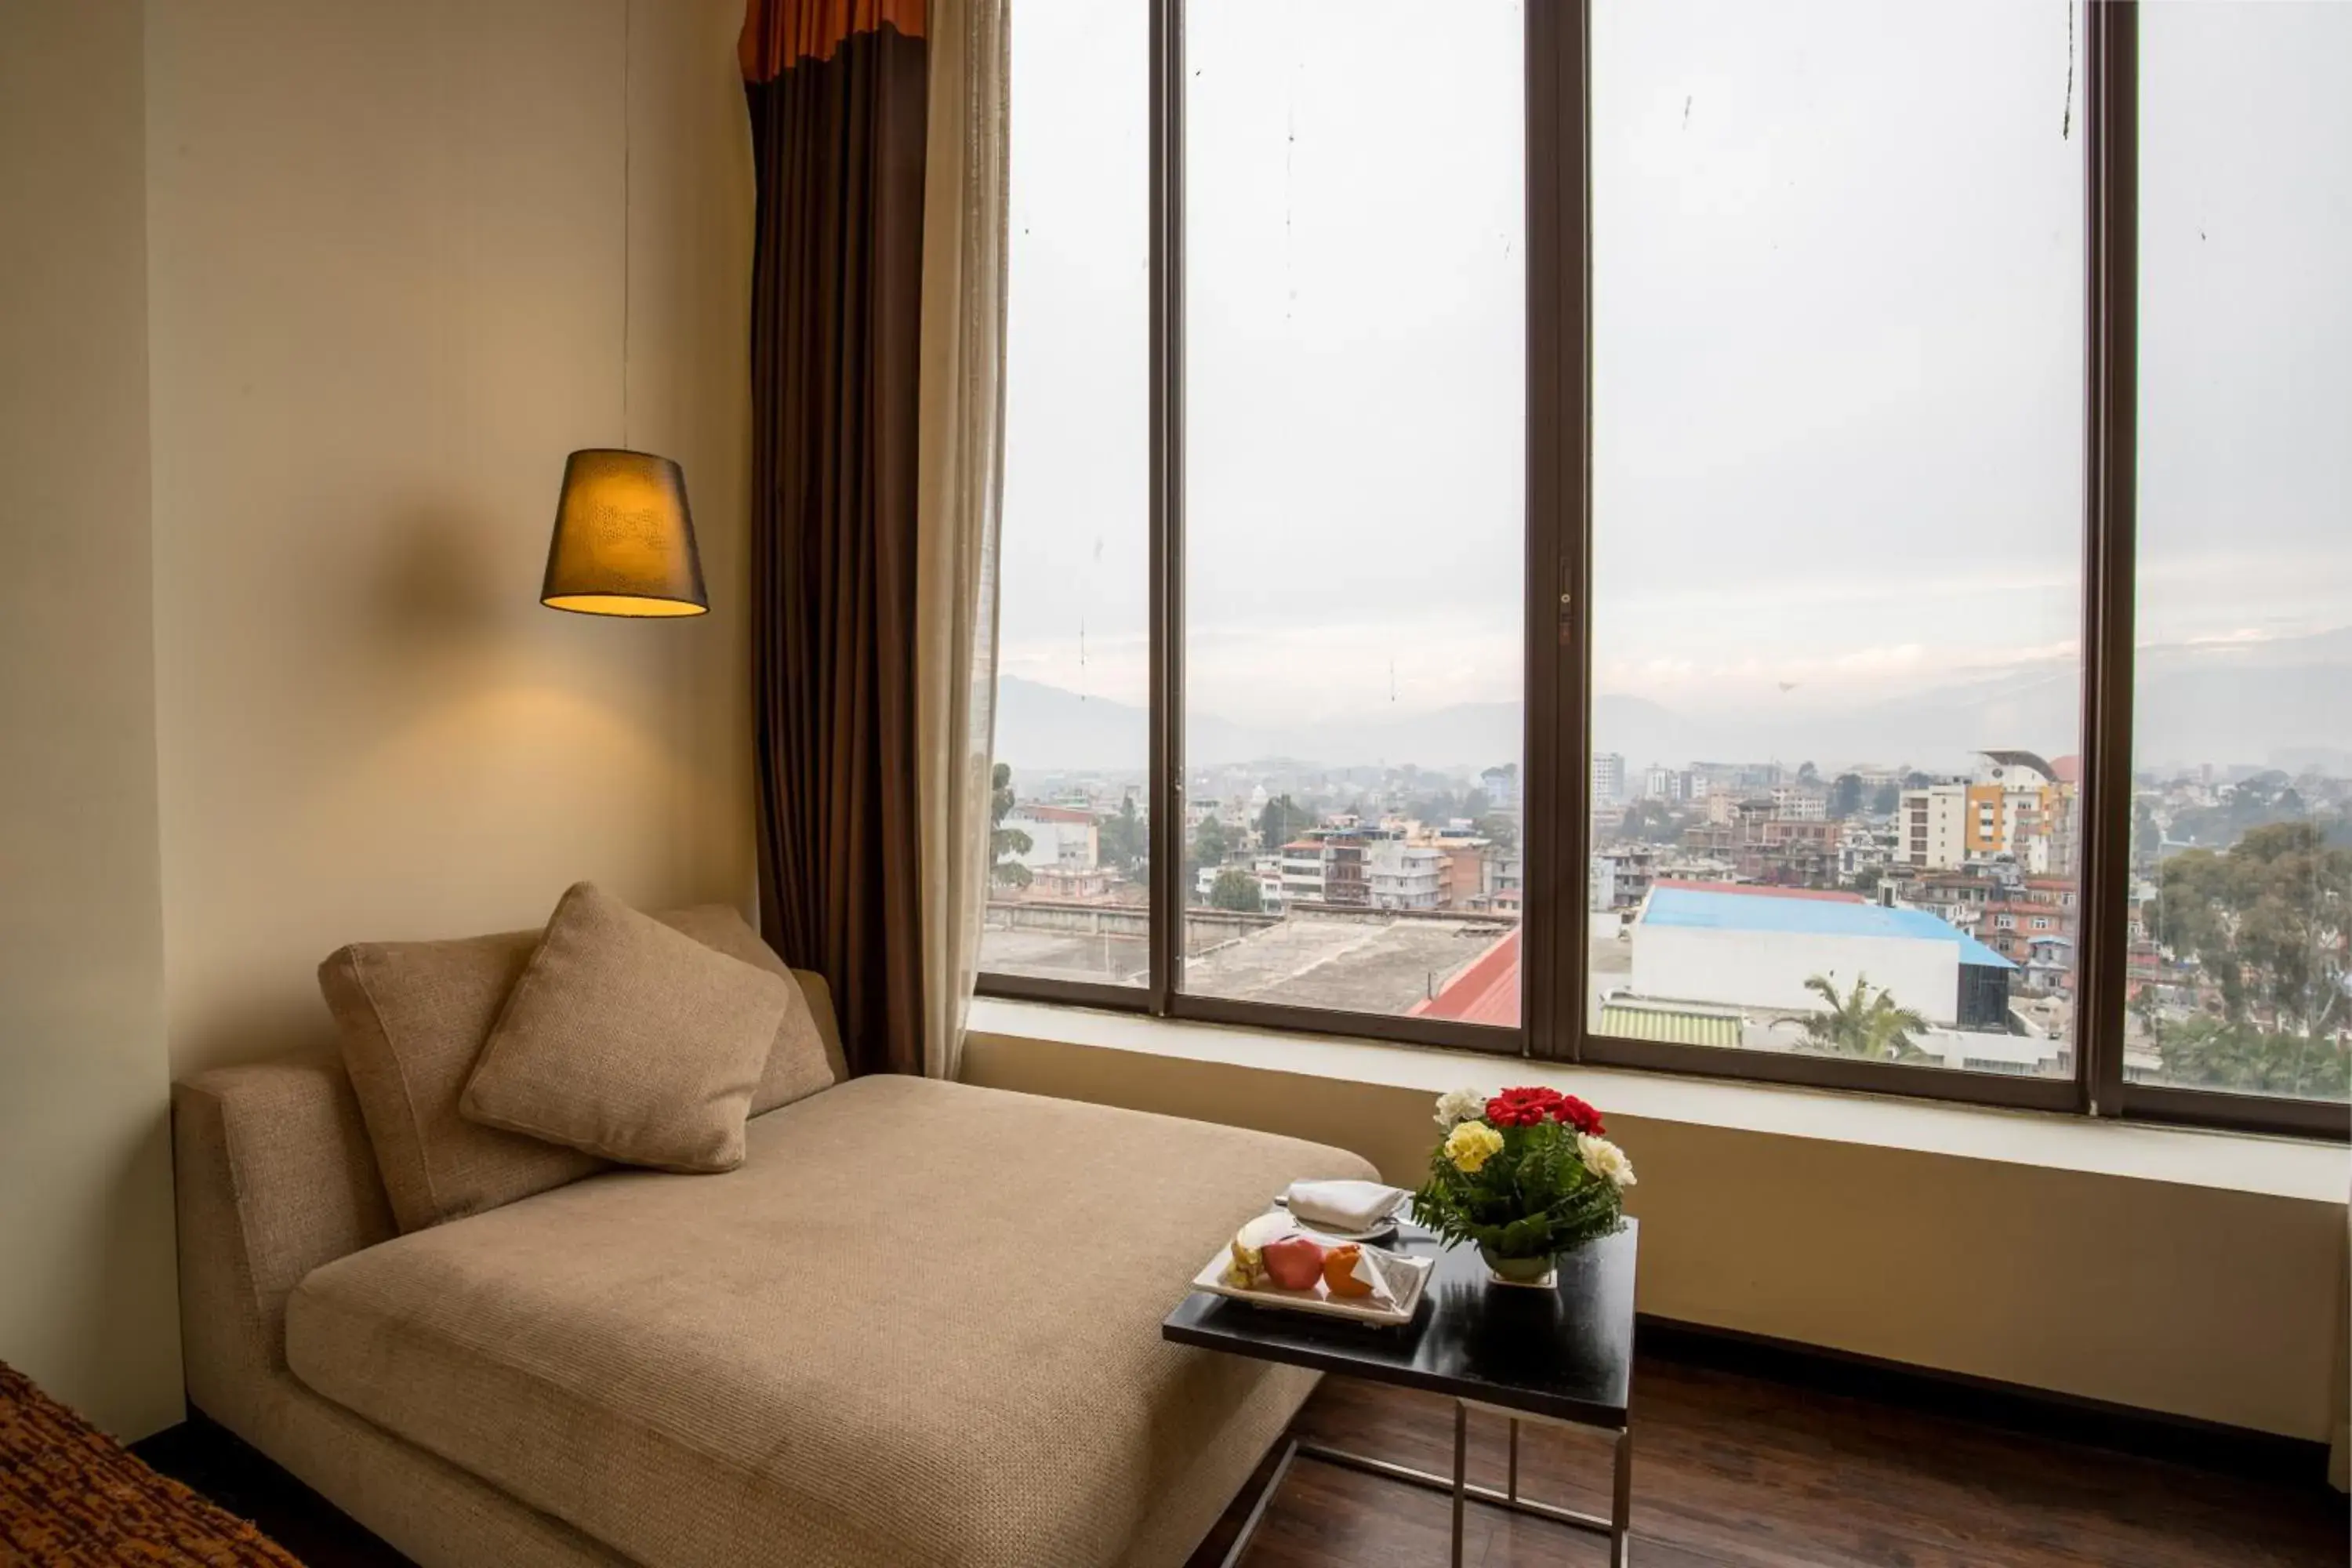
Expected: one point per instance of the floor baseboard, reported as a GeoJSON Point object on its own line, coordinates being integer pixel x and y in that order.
{"type": "Point", "coordinates": [2150, 1434]}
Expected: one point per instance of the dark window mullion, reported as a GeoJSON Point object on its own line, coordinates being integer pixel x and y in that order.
{"type": "Point", "coordinates": [1553, 833]}
{"type": "Point", "coordinates": [1166, 790]}
{"type": "Point", "coordinates": [2111, 162]}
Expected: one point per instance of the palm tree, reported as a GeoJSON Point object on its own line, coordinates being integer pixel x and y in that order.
{"type": "Point", "coordinates": [1865, 1023]}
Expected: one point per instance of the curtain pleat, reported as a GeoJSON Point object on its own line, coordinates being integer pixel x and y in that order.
{"type": "Point", "coordinates": [838, 143]}
{"type": "Point", "coordinates": [960, 477]}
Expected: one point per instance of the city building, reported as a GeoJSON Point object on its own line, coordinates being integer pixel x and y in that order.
{"type": "Point", "coordinates": [1801, 802]}
{"type": "Point", "coordinates": [1931, 827]}
{"type": "Point", "coordinates": [1300, 871]}
{"type": "Point", "coordinates": [1404, 876]}
{"type": "Point", "coordinates": [1061, 837]}
{"type": "Point", "coordinates": [1756, 948]}
{"type": "Point", "coordinates": [1608, 777]}
{"type": "Point", "coordinates": [1502, 787]}
{"type": "Point", "coordinates": [1672, 786]}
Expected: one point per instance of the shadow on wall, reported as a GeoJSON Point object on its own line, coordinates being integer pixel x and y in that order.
{"type": "Point", "coordinates": [439, 594]}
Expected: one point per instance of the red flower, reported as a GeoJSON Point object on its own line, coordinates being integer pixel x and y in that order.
{"type": "Point", "coordinates": [1579, 1115]}
{"type": "Point", "coordinates": [1522, 1106]}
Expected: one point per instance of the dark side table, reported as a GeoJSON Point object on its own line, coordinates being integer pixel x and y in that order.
{"type": "Point", "coordinates": [1562, 1354]}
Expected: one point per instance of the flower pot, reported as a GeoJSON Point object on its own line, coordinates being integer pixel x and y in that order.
{"type": "Point", "coordinates": [1536, 1271]}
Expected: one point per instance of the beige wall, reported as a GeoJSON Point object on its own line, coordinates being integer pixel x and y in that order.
{"type": "Point", "coordinates": [387, 283]}
{"type": "Point", "coordinates": [300, 307]}
{"type": "Point", "coordinates": [86, 1270]}
{"type": "Point", "coordinates": [2188, 1299]}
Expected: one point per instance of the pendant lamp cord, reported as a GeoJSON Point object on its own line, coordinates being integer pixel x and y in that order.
{"type": "Point", "coordinates": [627, 147]}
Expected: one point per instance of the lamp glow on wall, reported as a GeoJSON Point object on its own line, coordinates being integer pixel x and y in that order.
{"type": "Point", "coordinates": [624, 542]}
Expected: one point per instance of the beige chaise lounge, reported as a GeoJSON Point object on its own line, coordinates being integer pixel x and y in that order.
{"type": "Point", "coordinates": [918, 1325]}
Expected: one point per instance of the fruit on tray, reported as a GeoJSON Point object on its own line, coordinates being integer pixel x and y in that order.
{"type": "Point", "coordinates": [1339, 1271]}
{"type": "Point", "coordinates": [1293, 1262]}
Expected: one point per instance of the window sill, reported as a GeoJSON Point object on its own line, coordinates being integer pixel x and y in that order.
{"type": "Point", "coordinates": [2232, 1162]}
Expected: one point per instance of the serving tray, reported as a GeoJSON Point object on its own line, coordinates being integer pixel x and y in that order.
{"type": "Point", "coordinates": [1408, 1277]}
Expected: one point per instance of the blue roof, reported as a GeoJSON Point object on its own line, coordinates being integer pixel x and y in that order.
{"type": "Point", "coordinates": [1808, 917]}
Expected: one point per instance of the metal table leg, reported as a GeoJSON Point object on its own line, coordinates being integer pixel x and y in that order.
{"type": "Point", "coordinates": [1621, 1503]}
{"type": "Point", "coordinates": [1617, 1527]}
{"type": "Point", "coordinates": [1461, 1471]}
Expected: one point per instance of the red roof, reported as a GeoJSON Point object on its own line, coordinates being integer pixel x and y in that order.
{"type": "Point", "coordinates": [1487, 991]}
{"type": "Point", "coordinates": [1763, 891]}
{"type": "Point", "coordinates": [2066, 770]}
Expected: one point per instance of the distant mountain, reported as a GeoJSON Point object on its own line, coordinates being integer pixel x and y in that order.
{"type": "Point", "coordinates": [2266, 704]}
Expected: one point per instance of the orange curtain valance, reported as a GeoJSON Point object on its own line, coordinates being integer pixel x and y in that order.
{"type": "Point", "coordinates": [778, 34]}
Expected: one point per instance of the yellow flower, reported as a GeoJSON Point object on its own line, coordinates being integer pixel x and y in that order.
{"type": "Point", "coordinates": [1471, 1146]}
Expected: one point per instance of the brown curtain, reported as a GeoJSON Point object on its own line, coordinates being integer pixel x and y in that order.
{"type": "Point", "coordinates": [837, 90]}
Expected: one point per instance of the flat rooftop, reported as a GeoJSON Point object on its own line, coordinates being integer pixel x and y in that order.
{"type": "Point", "coordinates": [1686, 908]}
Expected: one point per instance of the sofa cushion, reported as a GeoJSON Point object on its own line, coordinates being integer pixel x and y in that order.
{"type": "Point", "coordinates": [920, 1324]}
{"type": "Point", "coordinates": [628, 1040]}
{"type": "Point", "coordinates": [413, 1017]}
{"type": "Point", "coordinates": [807, 1056]}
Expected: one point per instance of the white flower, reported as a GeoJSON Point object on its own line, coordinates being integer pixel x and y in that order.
{"type": "Point", "coordinates": [1605, 1160]}
{"type": "Point", "coordinates": [1457, 1106]}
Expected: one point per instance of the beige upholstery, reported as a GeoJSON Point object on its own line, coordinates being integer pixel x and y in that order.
{"type": "Point", "coordinates": [275, 1177]}
{"type": "Point", "coordinates": [412, 1017]}
{"type": "Point", "coordinates": [629, 1041]}
{"type": "Point", "coordinates": [919, 1325]}
{"type": "Point", "coordinates": [807, 1055]}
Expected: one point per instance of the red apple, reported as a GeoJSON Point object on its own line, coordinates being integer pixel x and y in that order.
{"type": "Point", "coordinates": [1294, 1262]}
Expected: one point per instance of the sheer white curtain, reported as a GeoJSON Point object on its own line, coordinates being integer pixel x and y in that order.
{"type": "Point", "coordinates": [960, 477]}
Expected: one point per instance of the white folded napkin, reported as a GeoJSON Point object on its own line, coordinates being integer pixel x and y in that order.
{"type": "Point", "coordinates": [1343, 1205]}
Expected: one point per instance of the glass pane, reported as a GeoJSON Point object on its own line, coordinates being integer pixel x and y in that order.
{"type": "Point", "coordinates": [1838, 529]}
{"type": "Point", "coordinates": [1354, 509]}
{"type": "Point", "coordinates": [1068, 900]}
{"type": "Point", "coordinates": [2243, 728]}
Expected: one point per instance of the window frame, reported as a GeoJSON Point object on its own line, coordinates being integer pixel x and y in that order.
{"type": "Point", "coordinates": [1555, 750]}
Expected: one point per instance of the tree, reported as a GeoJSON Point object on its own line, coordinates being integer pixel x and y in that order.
{"type": "Point", "coordinates": [1210, 843]}
{"type": "Point", "coordinates": [1650, 822]}
{"type": "Point", "coordinates": [1282, 820]}
{"type": "Point", "coordinates": [1846, 797]}
{"type": "Point", "coordinates": [1887, 800]}
{"type": "Point", "coordinates": [1499, 826]}
{"type": "Point", "coordinates": [1808, 773]}
{"type": "Point", "coordinates": [1864, 1023]}
{"type": "Point", "coordinates": [2266, 922]}
{"type": "Point", "coordinates": [1236, 889]}
{"type": "Point", "coordinates": [2218, 1053]}
{"type": "Point", "coordinates": [1124, 843]}
{"type": "Point", "coordinates": [1005, 844]}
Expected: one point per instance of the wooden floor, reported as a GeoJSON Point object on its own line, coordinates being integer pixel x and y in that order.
{"type": "Point", "coordinates": [1729, 1470]}
{"type": "Point", "coordinates": [1732, 1469]}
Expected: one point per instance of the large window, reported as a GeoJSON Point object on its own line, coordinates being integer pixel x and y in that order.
{"type": "Point", "coordinates": [1066, 899]}
{"type": "Point", "coordinates": [1837, 535]}
{"type": "Point", "coordinates": [2242, 778]}
{"type": "Point", "coordinates": [1805, 542]}
{"type": "Point", "coordinates": [1354, 522]}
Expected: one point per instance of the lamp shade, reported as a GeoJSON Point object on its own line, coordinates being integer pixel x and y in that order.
{"type": "Point", "coordinates": [624, 540]}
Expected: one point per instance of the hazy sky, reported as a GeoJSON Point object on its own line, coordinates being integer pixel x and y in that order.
{"type": "Point", "coordinates": [1837, 280]}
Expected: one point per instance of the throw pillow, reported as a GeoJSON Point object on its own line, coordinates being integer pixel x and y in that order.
{"type": "Point", "coordinates": [629, 1040]}
{"type": "Point", "coordinates": [413, 1017]}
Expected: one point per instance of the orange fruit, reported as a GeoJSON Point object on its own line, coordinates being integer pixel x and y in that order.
{"type": "Point", "coordinates": [1340, 1272]}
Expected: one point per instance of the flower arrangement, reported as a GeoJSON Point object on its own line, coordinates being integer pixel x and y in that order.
{"type": "Point", "coordinates": [1527, 1175]}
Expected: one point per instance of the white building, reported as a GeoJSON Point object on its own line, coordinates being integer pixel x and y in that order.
{"type": "Point", "coordinates": [1931, 827]}
{"type": "Point", "coordinates": [1401, 876]}
{"type": "Point", "coordinates": [1801, 803]}
{"type": "Point", "coordinates": [1299, 867]}
{"type": "Point", "coordinates": [1755, 950]}
{"type": "Point", "coordinates": [1608, 777]}
{"type": "Point", "coordinates": [1061, 837]}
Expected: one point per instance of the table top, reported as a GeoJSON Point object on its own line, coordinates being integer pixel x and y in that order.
{"type": "Point", "coordinates": [1566, 1353]}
